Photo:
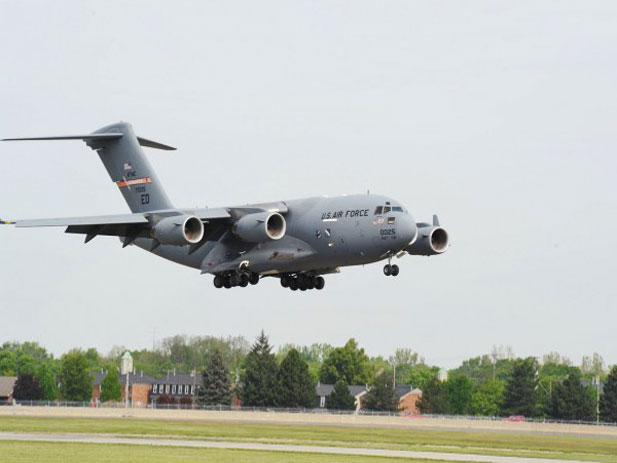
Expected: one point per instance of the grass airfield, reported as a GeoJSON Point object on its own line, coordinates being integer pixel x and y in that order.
{"type": "Point", "coordinates": [171, 440]}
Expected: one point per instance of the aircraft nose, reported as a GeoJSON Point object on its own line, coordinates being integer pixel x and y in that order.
{"type": "Point", "coordinates": [407, 229]}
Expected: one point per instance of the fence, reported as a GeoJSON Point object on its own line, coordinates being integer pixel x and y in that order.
{"type": "Point", "coordinates": [233, 408]}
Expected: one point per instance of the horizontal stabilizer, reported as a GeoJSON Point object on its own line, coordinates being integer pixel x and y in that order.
{"type": "Point", "coordinates": [91, 136]}
{"type": "Point", "coordinates": [97, 136]}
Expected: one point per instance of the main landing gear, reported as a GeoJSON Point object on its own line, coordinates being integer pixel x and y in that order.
{"type": "Point", "coordinates": [233, 279]}
{"type": "Point", "coordinates": [302, 282]}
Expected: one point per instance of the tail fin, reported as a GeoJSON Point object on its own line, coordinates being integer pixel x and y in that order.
{"type": "Point", "coordinates": [119, 149]}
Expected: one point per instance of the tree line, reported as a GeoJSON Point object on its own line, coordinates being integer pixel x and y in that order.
{"type": "Point", "coordinates": [494, 384]}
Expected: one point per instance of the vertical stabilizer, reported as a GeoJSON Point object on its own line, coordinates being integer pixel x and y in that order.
{"type": "Point", "coordinates": [129, 168]}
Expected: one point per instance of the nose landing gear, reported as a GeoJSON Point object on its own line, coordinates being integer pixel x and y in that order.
{"type": "Point", "coordinates": [391, 270]}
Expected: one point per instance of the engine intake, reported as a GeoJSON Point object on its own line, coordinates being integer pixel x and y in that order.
{"type": "Point", "coordinates": [431, 240]}
{"type": "Point", "coordinates": [178, 230]}
{"type": "Point", "coordinates": [260, 227]}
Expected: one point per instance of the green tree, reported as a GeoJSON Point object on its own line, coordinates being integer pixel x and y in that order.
{"type": "Point", "coordinates": [434, 399]}
{"type": "Point", "coordinates": [8, 362]}
{"type": "Point", "coordinates": [488, 397]}
{"type": "Point", "coordinates": [608, 401]}
{"type": "Point", "coordinates": [571, 400]}
{"type": "Point", "coordinates": [381, 396]}
{"type": "Point", "coordinates": [111, 388]}
{"type": "Point", "coordinates": [75, 380]}
{"type": "Point", "coordinates": [215, 388]}
{"type": "Point", "coordinates": [459, 390]}
{"type": "Point", "coordinates": [420, 375]}
{"type": "Point", "coordinates": [47, 381]}
{"type": "Point", "coordinates": [341, 398]}
{"type": "Point", "coordinates": [259, 381]}
{"type": "Point", "coordinates": [349, 363]}
{"type": "Point", "coordinates": [27, 388]}
{"type": "Point", "coordinates": [520, 397]}
{"type": "Point", "coordinates": [296, 387]}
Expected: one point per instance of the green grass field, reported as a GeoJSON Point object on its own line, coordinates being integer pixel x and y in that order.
{"type": "Point", "coordinates": [52, 452]}
{"type": "Point", "coordinates": [491, 443]}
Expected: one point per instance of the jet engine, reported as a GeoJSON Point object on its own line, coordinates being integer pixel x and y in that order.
{"type": "Point", "coordinates": [432, 239]}
{"type": "Point", "coordinates": [260, 227]}
{"type": "Point", "coordinates": [178, 230]}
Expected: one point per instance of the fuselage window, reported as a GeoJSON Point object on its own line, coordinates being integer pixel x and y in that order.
{"type": "Point", "coordinates": [386, 209]}
{"type": "Point", "coordinates": [378, 210]}
{"type": "Point", "coordinates": [397, 209]}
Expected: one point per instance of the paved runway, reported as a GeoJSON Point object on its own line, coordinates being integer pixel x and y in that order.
{"type": "Point", "coordinates": [100, 439]}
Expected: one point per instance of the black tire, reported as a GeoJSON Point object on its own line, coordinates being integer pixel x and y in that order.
{"type": "Point", "coordinates": [218, 281]}
{"type": "Point", "coordinates": [387, 270]}
{"type": "Point", "coordinates": [227, 282]}
{"type": "Point", "coordinates": [285, 280]}
{"type": "Point", "coordinates": [244, 280]}
{"type": "Point", "coordinates": [254, 278]}
{"type": "Point", "coordinates": [319, 283]}
{"type": "Point", "coordinates": [293, 284]}
{"type": "Point", "coordinates": [395, 270]}
{"type": "Point", "coordinates": [311, 283]}
{"type": "Point", "coordinates": [234, 280]}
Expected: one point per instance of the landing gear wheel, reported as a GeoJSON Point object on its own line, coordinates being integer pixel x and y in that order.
{"type": "Point", "coordinates": [234, 280]}
{"type": "Point", "coordinates": [394, 270]}
{"type": "Point", "coordinates": [244, 280]}
{"type": "Point", "coordinates": [227, 282]}
{"type": "Point", "coordinates": [311, 283]}
{"type": "Point", "coordinates": [254, 278]}
{"type": "Point", "coordinates": [319, 283]}
{"type": "Point", "coordinates": [285, 280]}
{"type": "Point", "coordinates": [387, 270]}
{"type": "Point", "coordinates": [293, 284]}
{"type": "Point", "coordinates": [218, 281]}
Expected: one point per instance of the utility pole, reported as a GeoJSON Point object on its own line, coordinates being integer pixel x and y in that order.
{"type": "Point", "coordinates": [597, 399]}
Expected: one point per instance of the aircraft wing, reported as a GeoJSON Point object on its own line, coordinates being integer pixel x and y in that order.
{"type": "Point", "coordinates": [100, 220]}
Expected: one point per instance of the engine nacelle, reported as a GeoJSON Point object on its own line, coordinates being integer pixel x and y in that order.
{"type": "Point", "coordinates": [431, 240]}
{"type": "Point", "coordinates": [260, 227]}
{"type": "Point", "coordinates": [178, 230]}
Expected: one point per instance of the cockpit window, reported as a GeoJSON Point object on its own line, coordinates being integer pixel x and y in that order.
{"type": "Point", "coordinates": [378, 210]}
{"type": "Point", "coordinates": [397, 209]}
{"type": "Point", "coordinates": [386, 209]}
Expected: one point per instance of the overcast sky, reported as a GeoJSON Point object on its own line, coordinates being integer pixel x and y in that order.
{"type": "Point", "coordinates": [499, 116]}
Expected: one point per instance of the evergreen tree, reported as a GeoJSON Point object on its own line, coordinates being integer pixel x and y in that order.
{"type": "Point", "coordinates": [259, 382]}
{"type": "Point", "coordinates": [341, 398]}
{"type": "Point", "coordinates": [111, 388]}
{"type": "Point", "coordinates": [348, 362]}
{"type": "Point", "coordinates": [520, 397]}
{"type": "Point", "coordinates": [571, 400]}
{"type": "Point", "coordinates": [608, 401]}
{"type": "Point", "coordinates": [296, 388]}
{"type": "Point", "coordinates": [215, 388]}
{"type": "Point", "coordinates": [27, 388]}
{"type": "Point", "coordinates": [434, 399]}
{"type": "Point", "coordinates": [47, 381]}
{"type": "Point", "coordinates": [382, 396]}
{"type": "Point", "coordinates": [459, 392]}
{"type": "Point", "coordinates": [75, 380]}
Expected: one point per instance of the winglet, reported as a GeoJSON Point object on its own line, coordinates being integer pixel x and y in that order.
{"type": "Point", "coordinates": [435, 220]}
{"type": "Point", "coordinates": [6, 222]}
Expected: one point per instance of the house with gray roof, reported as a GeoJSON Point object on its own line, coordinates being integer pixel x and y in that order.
{"type": "Point", "coordinates": [7, 383]}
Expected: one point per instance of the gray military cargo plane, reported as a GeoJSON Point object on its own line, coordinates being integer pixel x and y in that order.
{"type": "Point", "coordinates": [296, 241]}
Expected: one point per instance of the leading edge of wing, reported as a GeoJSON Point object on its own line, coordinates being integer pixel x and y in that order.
{"type": "Point", "coordinates": [122, 219]}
